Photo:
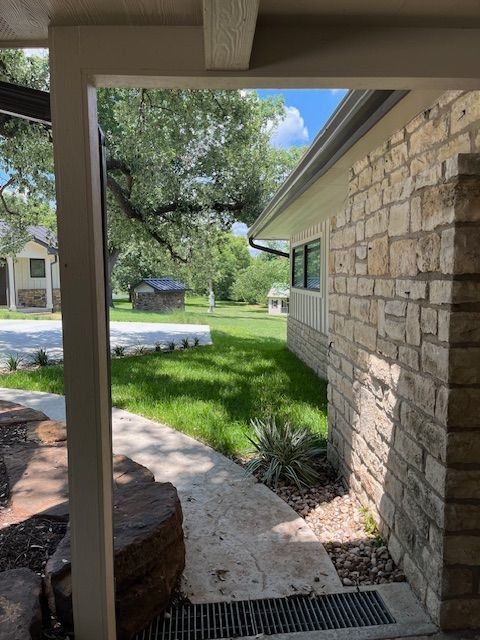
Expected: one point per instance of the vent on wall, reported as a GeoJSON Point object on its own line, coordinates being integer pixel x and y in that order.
{"type": "Point", "coordinates": [213, 621]}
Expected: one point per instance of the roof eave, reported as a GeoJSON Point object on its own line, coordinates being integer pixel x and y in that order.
{"type": "Point", "coordinates": [358, 112]}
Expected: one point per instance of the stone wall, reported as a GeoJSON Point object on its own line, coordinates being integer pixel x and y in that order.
{"type": "Point", "coordinates": [309, 345]}
{"type": "Point", "coordinates": [162, 301]}
{"type": "Point", "coordinates": [57, 299]}
{"type": "Point", "coordinates": [32, 297]}
{"type": "Point", "coordinates": [404, 363]}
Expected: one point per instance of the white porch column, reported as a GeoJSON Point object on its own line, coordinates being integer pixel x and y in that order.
{"type": "Point", "coordinates": [48, 285]}
{"type": "Point", "coordinates": [85, 338]}
{"type": "Point", "coordinates": [12, 294]}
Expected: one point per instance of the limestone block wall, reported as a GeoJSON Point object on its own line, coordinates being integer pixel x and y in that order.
{"type": "Point", "coordinates": [309, 345]}
{"type": "Point", "coordinates": [404, 362]}
{"type": "Point", "coordinates": [159, 300]}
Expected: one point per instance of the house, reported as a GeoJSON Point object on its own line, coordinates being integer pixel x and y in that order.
{"type": "Point", "coordinates": [159, 294]}
{"type": "Point", "coordinates": [278, 297]}
{"type": "Point", "coordinates": [425, 48]}
{"type": "Point", "coordinates": [30, 279]}
{"type": "Point", "coordinates": [383, 218]}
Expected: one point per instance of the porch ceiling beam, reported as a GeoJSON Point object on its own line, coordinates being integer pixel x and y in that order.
{"type": "Point", "coordinates": [229, 27]}
{"type": "Point", "coordinates": [354, 58]}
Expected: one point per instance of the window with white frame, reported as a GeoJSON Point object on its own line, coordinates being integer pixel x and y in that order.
{"type": "Point", "coordinates": [306, 266]}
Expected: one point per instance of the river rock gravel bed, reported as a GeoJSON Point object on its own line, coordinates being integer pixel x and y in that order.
{"type": "Point", "coordinates": [334, 514]}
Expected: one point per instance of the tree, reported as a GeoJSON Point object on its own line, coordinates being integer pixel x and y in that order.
{"type": "Point", "coordinates": [183, 165]}
{"type": "Point", "coordinates": [253, 284]}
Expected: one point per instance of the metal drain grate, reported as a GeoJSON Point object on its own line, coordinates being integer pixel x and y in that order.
{"type": "Point", "coordinates": [279, 615]}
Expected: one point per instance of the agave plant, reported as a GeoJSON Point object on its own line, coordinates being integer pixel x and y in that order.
{"type": "Point", "coordinates": [13, 361]}
{"type": "Point", "coordinates": [283, 452]}
{"type": "Point", "coordinates": [41, 358]}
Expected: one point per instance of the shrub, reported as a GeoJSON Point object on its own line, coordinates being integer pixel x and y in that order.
{"type": "Point", "coordinates": [13, 361]}
{"type": "Point", "coordinates": [119, 350]}
{"type": "Point", "coordinates": [171, 345]}
{"type": "Point", "coordinates": [185, 343]}
{"type": "Point", "coordinates": [158, 346]}
{"type": "Point", "coordinates": [196, 341]}
{"type": "Point", "coordinates": [41, 358]}
{"type": "Point", "coordinates": [283, 452]}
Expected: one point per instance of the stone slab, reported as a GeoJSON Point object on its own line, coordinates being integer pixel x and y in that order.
{"type": "Point", "coordinates": [149, 557]}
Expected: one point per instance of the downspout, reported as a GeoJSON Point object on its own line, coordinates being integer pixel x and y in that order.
{"type": "Point", "coordinates": [260, 247]}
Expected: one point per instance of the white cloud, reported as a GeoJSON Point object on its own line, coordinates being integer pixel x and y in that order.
{"type": "Point", "coordinates": [290, 130]}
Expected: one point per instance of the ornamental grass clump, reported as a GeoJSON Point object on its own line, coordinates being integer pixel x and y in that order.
{"type": "Point", "coordinates": [284, 453]}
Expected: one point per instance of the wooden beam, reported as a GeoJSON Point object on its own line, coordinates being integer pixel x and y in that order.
{"type": "Point", "coordinates": [85, 339]}
{"type": "Point", "coordinates": [228, 28]}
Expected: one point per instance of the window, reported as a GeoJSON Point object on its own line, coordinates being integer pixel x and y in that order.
{"type": "Point", "coordinates": [306, 269]}
{"type": "Point", "coordinates": [37, 268]}
{"type": "Point", "coordinates": [313, 265]}
{"type": "Point", "coordinates": [298, 267]}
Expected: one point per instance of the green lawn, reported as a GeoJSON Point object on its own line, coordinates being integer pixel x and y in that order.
{"type": "Point", "coordinates": [212, 392]}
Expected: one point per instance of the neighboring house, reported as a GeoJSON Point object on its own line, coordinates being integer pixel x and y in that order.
{"type": "Point", "coordinates": [383, 218]}
{"type": "Point", "coordinates": [30, 279]}
{"type": "Point", "coordinates": [159, 294]}
{"type": "Point", "coordinates": [278, 298]}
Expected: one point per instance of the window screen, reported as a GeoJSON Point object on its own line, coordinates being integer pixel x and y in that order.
{"type": "Point", "coordinates": [313, 265]}
{"type": "Point", "coordinates": [37, 268]}
{"type": "Point", "coordinates": [298, 267]}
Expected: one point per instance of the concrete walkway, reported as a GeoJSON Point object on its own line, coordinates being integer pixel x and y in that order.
{"type": "Point", "coordinates": [24, 337]}
{"type": "Point", "coordinates": [243, 541]}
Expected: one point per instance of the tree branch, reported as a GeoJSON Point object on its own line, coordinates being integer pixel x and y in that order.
{"type": "Point", "coordinates": [2, 198]}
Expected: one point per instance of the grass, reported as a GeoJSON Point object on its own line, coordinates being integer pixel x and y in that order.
{"type": "Point", "coordinates": [211, 393]}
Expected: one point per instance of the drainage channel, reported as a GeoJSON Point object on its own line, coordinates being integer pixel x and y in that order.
{"type": "Point", "coordinates": [294, 614]}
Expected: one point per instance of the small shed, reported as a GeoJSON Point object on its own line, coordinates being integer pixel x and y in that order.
{"type": "Point", "coordinates": [159, 294]}
{"type": "Point", "coordinates": [278, 299]}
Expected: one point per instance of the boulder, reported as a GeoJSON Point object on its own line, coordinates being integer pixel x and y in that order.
{"type": "Point", "coordinates": [149, 557]}
{"type": "Point", "coordinates": [46, 431]}
{"type": "Point", "coordinates": [20, 610]}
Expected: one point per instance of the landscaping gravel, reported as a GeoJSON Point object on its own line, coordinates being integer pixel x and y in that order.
{"type": "Point", "coordinates": [333, 512]}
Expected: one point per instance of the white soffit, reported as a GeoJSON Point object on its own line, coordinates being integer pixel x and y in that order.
{"type": "Point", "coordinates": [328, 194]}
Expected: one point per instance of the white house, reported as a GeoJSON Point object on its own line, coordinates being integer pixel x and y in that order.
{"type": "Point", "coordinates": [30, 279]}
{"type": "Point", "coordinates": [278, 298]}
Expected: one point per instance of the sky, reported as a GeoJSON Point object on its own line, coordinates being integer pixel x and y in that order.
{"type": "Point", "coordinates": [306, 111]}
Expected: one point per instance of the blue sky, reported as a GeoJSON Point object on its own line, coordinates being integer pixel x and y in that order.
{"type": "Point", "coordinates": [306, 111]}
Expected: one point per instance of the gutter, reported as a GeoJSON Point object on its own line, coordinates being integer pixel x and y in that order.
{"type": "Point", "coordinates": [261, 247]}
{"type": "Point", "coordinates": [358, 112]}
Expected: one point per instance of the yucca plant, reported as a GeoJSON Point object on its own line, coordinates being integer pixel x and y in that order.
{"type": "Point", "coordinates": [41, 358]}
{"type": "Point", "coordinates": [13, 361]}
{"type": "Point", "coordinates": [141, 350]}
{"type": "Point", "coordinates": [158, 346]}
{"type": "Point", "coordinates": [283, 452]}
{"type": "Point", "coordinates": [171, 345]}
{"type": "Point", "coordinates": [196, 341]}
{"type": "Point", "coordinates": [185, 343]}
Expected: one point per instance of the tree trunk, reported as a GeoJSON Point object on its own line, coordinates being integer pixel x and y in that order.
{"type": "Point", "coordinates": [113, 255]}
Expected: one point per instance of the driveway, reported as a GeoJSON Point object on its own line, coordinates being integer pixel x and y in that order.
{"type": "Point", "coordinates": [24, 337]}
